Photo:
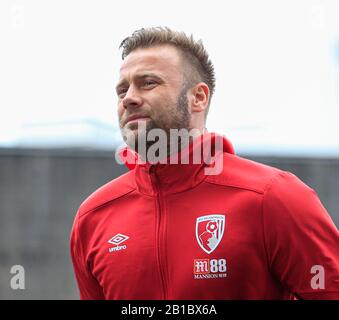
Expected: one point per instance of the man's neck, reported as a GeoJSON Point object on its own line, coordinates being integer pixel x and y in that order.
{"type": "Point", "coordinates": [159, 151]}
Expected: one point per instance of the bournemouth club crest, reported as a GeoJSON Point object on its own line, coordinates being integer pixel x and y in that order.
{"type": "Point", "coordinates": [209, 231]}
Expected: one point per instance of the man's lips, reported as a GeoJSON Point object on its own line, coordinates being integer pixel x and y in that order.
{"type": "Point", "coordinates": [135, 118]}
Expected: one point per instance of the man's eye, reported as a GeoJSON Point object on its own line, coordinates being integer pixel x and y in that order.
{"type": "Point", "coordinates": [121, 92]}
{"type": "Point", "coordinates": [148, 83]}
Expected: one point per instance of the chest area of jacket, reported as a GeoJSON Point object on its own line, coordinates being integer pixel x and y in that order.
{"type": "Point", "coordinates": [192, 232]}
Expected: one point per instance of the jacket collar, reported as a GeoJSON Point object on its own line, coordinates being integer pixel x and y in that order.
{"type": "Point", "coordinates": [170, 177]}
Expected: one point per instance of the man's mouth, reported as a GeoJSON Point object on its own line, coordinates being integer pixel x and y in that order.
{"type": "Point", "coordinates": [136, 118]}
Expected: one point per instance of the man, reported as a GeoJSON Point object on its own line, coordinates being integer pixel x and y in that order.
{"type": "Point", "coordinates": [171, 229]}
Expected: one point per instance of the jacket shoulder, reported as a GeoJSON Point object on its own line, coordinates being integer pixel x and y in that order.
{"type": "Point", "coordinates": [110, 191]}
{"type": "Point", "coordinates": [246, 174]}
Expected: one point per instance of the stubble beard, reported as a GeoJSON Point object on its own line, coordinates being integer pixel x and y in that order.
{"type": "Point", "coordinates": [137, 135]}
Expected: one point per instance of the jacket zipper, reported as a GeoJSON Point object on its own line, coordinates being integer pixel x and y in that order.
{"type": "Point", "coordinates": [159, 239]}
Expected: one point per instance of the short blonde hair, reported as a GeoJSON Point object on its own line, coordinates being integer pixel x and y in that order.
{"type": "Point", "coordinates": [193, 53]}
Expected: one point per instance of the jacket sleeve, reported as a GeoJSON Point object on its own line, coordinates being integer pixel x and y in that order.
{"type": "Point", "coordinates": [88, 286]}
{"type": "Point", "coordinates": [301, 240]}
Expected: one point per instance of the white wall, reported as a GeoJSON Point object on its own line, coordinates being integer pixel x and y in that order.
{"type": "Point", "coordinates": [277, 65]}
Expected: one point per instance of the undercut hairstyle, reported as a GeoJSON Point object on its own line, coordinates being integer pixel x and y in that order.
{"type": "Point", "coordinates": [197, 66]}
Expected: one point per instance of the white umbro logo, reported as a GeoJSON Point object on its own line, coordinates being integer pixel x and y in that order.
{"type": "Point", "coordinates": [117, 240]}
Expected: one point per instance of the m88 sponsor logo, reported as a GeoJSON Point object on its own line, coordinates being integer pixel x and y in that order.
{"type": "Point", "coordinates": [210, 268]}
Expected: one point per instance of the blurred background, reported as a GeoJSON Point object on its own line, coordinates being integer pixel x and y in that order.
{"type": "Point", "coordinates": [276, 99]}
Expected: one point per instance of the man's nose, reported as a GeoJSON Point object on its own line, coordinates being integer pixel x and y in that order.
{"type": "Point", "coordinates": [132, 98]}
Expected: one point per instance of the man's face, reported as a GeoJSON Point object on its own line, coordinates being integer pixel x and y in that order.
{"type": "Point", "coordinates": [151, 88]}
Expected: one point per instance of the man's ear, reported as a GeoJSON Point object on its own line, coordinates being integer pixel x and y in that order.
{"type": "Point", "coordinates": [200, 94]}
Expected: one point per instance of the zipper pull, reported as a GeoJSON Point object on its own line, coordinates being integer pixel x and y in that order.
{"type": "Point", "coordinates": [154, 179]}
{"type": "Point", "coordinates": [152, 170]}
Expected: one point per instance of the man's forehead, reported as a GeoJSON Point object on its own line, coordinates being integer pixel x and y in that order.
{"type": "Point", "coordinates": [162, 58]}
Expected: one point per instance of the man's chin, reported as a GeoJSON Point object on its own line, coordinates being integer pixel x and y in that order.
{"type": "Point", "coordinates": [131, 134]}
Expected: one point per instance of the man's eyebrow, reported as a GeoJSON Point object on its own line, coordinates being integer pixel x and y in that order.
{"type": "Point", "coordinates": [151, 75]}
{"type": "Point", "coordinates": [140, 76]}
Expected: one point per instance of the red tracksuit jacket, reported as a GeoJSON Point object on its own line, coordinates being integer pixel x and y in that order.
{"type": "Point", "coordinates": [170, 231]}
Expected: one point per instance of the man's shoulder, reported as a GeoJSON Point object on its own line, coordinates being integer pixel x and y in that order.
{"type": "Point", "coordinates": [239, 172]}
{"type": "Point", "coordinates": [110, 191]}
